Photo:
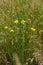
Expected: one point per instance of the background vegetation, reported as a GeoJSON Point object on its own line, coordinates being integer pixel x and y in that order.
{"type": "Point", "coordinates": [21, 30]}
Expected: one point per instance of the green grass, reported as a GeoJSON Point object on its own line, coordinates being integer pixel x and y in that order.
{"type": "Point", "coordinates": [23, 40]}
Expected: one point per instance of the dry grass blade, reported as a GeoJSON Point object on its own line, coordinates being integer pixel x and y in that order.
{"type": "Point", "coordinates": [16, 58]}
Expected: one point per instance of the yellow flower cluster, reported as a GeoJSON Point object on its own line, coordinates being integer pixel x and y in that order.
{"type": "Point", "coordinates": [6, 27]}
{"type": "Point", "coordinates": [22, 22]}
{"type": "Point", "coordinates": [16, 22]}
{"type": "Point", "coordinates": [33, 29]}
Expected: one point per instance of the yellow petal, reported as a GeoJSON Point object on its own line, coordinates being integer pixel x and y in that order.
{"type": "Point", "coordinates": [16, 21]}
{"type": "Point", "coordinates": [23, 22]}
{"type": "Point", "coordinates": [6, 27]}
{"type": "Point", "coordinates": [33, 29]}
{"type": "Point", "coordinates": [11, 30]}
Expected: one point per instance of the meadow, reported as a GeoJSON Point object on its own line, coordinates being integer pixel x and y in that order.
{"type": "Point", "coordinates": [21, 31]}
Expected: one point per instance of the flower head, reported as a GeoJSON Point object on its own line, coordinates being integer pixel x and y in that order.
{"type": "Point", "coordinates": [16, 21]}
{"type": "Point", "coordinates": [23, 22]}
{"type": "Point", "coordinates": [11, 30]}
{"type": "Point", "coordinates": [33, 29]}
{"type": "Point", "coordinates": [6, 27]}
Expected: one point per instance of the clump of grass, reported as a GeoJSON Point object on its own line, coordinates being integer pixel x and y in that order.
{"type": "Point", "coordinates": [21, 28]}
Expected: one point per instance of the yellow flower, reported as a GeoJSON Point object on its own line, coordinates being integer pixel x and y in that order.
{"type": "Point", "coordinates": [11, 30]}
{"type": "Point", "coordinates": [6, 27]}
{"type": "Point", "coordinates": [33, 29]}
{"type": "Point", "coordinates": [23, 22]}
{"type": "Point", "coordinates": [16, 21]}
